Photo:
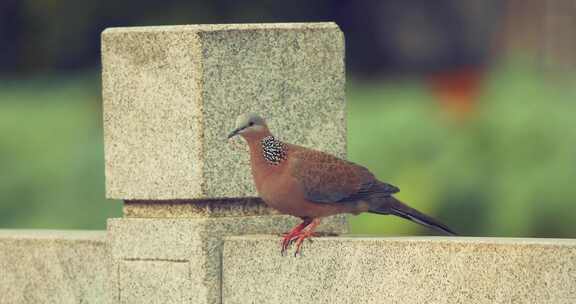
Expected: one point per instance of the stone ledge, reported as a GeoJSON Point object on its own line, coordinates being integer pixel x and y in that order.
{"type": "Point", "coordinates": [91, 236]}
{"type": "Point", "coordinates": [401, 270]}
{"type": "Point", "coordinates": [226, 27]}
{"type": "Point", "coordinates": [52, 266]}
{"type": "Point", "coordinates": [196, 208]}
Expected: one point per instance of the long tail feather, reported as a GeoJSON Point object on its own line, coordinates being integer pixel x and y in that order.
{"type": "Point", "coordinates": [395, 207]}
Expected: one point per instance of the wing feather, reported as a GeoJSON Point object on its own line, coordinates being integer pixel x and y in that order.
{"type": "Point", "coordinates": [328, 179]}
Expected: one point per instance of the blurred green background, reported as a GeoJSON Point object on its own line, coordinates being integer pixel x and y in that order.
{"type": "Point", "coordinates": [467, 107]}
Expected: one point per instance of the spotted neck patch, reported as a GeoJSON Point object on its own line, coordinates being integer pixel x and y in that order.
{"type": "Point", "coordinates": [273, 150]}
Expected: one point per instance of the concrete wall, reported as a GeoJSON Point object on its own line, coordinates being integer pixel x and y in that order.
{"type": "Point", "coordinates": [75, 267]}
{"type": "Point", "coordinates": [401, 270]}
{"type": "Point", "coordinates": [53, 266]}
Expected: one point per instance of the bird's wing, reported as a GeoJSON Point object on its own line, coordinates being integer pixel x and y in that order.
{"type": "Point", "coordinates": [328, 179]}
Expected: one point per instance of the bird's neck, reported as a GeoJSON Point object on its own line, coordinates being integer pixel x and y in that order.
{"type": "Point", "coordinates": [267, 150]}
{"type": "Point", "coordinates": [273, 150]}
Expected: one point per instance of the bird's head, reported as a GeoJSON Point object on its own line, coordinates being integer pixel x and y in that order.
{"type": "Point", "coordinates": [250, 125]}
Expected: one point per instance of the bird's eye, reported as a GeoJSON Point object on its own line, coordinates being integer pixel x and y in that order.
{"type": "Point", "coordinates": [250, 123]}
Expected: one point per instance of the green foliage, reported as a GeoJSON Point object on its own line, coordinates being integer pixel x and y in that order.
{"type": "Point", "coordinates": [507, 171]}
{"type": "Point", "coordinates": [51, 156]}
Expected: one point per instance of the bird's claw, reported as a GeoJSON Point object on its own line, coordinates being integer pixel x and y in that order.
{"type": "Point", "coordinates": [287, 241]}
{"type": "Point", "coordinates": [298, 235]}
{"type": "Point", "coordinates": [301, 238]}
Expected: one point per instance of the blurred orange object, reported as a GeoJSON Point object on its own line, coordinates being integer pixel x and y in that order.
{"type": "Point", "coordinates": [458, 89]}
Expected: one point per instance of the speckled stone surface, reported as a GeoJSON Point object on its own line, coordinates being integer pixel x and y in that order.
{"type": "Point", "coordinates": [45, 266]}
{"type": "Point", "coordinates": [171, 95]}
{"type": "Point", "coordinates": [195, 242]}
{"type": "Point", "coordinates": [401, 270]}
{"type": "Point", "coordinates": [155, 282]}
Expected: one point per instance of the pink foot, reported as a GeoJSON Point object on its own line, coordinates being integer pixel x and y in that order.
{"type": "Point", "coordinates": [305, 233]}
{"type": "Point", "coordinates": [291, 236]}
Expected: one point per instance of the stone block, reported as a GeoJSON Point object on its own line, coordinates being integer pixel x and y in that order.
{"type": "Point", "coordinates": [195, 242]}
{"type": "Point", "coordinates": [155, 282]}
{"type": "Point", "coordinates": [171, 95]}
{"type": "Point", "coordinates": [54, 267]}
{"type": "Point", "coordinates": [401, 270]}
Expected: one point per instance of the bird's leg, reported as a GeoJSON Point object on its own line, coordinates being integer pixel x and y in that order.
{"type": "Point", "coordinates": [307, 232]}
{"type": "Point", "coordinates": [293, 234]}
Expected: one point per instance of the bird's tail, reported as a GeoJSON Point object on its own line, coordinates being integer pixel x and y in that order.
{"type": "Point", "coordinates": [396, 207]}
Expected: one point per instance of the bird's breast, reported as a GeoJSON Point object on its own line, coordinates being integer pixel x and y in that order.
{"type": "Point", "coordinates": [272, 182]}
{"type": "Point", "coordinates": [284, 193]}
{"type": "Point", "coordinates": [280, 191]}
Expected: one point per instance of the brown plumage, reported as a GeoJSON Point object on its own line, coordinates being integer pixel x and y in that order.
{"type": "Point", "coordinates": [311, 184]}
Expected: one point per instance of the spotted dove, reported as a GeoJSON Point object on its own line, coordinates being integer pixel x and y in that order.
{"type": "Point", "coordinates": [310, 184]}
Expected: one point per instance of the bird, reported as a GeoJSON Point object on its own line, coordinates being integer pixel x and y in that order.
{"type": "Point", "coordinates": [311, 184]}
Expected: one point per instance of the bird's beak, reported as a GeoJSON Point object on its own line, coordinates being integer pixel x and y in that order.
{"type": "Point", "coordinates": [234, 133]}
